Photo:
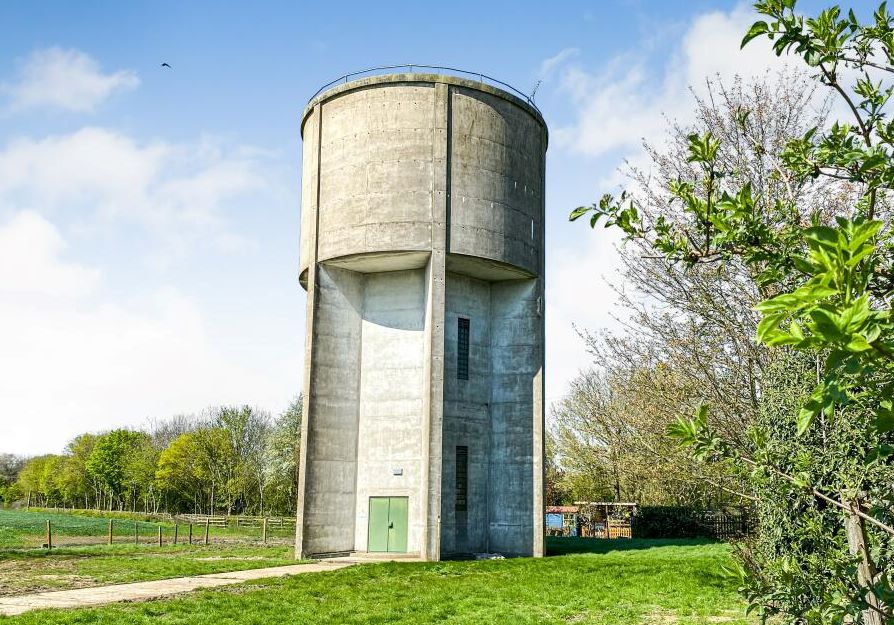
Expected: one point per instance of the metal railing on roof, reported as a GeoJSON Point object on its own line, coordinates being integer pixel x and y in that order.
{"type": "Point", "coordinates": [482, 78]}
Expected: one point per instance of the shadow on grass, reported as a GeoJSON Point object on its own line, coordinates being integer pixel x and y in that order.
{"type": "Point", "coordinates": [561, 545]}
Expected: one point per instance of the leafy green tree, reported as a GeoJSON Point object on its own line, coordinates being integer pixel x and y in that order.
{"type": "Point", "coordinates": [108, 462]}
{"type": "Point", "coordinates": [181, 475]}
{"type": "Point", "coordinates": [557, 491]}
{"type": "Point", "coordinates": [219, 463]}
{"type": "Point", "coordinates": [611, 440]}
{"type": "Point", "coordinates": [38, 478]}
{"type": "Point", "coordinates": [76, 482]}
{"type": "Point", "coordinates": [826, 287]}
{"type": "Point", "coordinates": [246, 428]}
{"type": "Point", "coordinates": [10, 466]}
{"type": "Point", "coordinates": [282, 458]}
{"type": "Point", "coordinates": [139, 473]}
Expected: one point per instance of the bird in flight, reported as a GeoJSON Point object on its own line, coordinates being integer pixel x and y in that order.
{"type": "Point", "coordinates": [166, 65]}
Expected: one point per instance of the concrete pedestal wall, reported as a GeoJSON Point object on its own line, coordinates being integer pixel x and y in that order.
{"type": "Point", "coordinates": [491, 415]}
{"type": "Point", "coordinates": [391, 451]}
{"type": "Point", "coordinates": [466, 415]}
{"type": "Point", "coordinates": [422, 202]}
{"type": "Point", "coordinates": [330, 459]}
{"type": "Point", "coordinates": [516, 416]}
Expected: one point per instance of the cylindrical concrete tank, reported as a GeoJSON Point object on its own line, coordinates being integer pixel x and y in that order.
{"type": "Point", "coordinates": [422, 252]}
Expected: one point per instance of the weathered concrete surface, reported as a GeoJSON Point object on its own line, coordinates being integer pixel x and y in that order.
{"type": "Point", "coordinates": [496, 171]}
{"type": "Point", "coordinates": [391, 451]}
{"type": "Point", "coordinates": [422, 202]}
{"type": "Point", "coordinates": [143, 591]}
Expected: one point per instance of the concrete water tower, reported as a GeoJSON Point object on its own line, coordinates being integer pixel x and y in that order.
{"type": "Point", "coordinates": [422, 253]}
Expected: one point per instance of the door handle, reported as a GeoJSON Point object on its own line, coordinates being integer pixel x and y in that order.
{"type": "Point", "coordinates": [391, 525]}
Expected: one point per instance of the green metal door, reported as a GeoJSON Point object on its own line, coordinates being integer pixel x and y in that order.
{"type": "Point", "coordinates": [397, 525]}
{"type": "Point", "coordinates": [387, 524]}
{"type": "Point", "coordinates": [378, 524]}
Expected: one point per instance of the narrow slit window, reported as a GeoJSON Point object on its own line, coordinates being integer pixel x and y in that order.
{"type": "Point", "coordinates": [462, 478]}
{"type": "Point", "coordinates": [462, 349]}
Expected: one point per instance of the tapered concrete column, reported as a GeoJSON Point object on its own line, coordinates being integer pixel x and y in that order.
{"type": "Point", "coordinates": [310, 202]}
{"type": "Point", "coordinates": [434, 394]}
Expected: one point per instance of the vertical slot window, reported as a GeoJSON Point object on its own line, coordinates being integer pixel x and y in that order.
{"type": "Point", "coordinates": [462, 349]}
{"type": "Point", "coordinates": [462, 478]}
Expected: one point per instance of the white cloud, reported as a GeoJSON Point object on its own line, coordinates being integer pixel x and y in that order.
{"type": "Point", "coordinates": [180, 192]}
{"type": "Point", "coordinates": [548, 66]}
{"type": "Point", "coordinates": [625, 101]}
{"type": "Point", "coordinates": [578, 294]}
{"type": "Point", "coordinates": [88, 361]}
{"type": "Point", "coordinates": [64, 79]}
{"type": "Point", "coordinates": [30, 248]}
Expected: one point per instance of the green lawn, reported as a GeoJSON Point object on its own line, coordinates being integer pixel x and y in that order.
{"type": "Point", "coordinates": [26, 529]}
{"type": "Point", "coordinates": [22, 572]}
{"type": "Point", "coordinates": [617, 582]}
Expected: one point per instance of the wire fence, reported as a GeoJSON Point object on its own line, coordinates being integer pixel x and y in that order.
{"type": "Point", "coordinates": [436, 69]}
{"type": "Point", "coordinates": [46, 529]}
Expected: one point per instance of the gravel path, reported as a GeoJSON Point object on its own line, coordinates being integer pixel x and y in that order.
{"type": "Point", "coordinates": [141, 591]}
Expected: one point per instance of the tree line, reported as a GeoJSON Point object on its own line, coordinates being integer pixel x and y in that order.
{"type": "Point", "coordinates": [228, 459]}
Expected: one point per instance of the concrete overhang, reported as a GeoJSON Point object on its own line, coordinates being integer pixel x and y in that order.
{"type": "Point", "coordinates": [377, 262]}
{"type": "Point", "coordinates": [485, 269]}
{"type": "Point", "coordinates": [473, 266]}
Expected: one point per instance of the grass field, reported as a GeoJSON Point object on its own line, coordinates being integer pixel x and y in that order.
{"type": "Point", "coordinates": [23, 572]}
{"type": "Point", "coordinates": [26, 529]}
{"type": "Point", "coordinates": [593, 582]}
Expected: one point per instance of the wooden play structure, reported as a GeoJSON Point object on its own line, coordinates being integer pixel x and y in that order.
{"type": "Point", "coordinates": [591, 519]}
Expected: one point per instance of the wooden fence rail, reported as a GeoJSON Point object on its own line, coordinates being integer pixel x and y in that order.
{"type": "Point", "coordinates": [238, 521]}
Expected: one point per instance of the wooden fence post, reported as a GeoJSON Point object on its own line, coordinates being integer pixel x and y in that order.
{"type": "Point", "coordinates": [175, 533]}
{"type": "Point", "coordinates": [159, 536]}
{"type": "Point", "coordinates": [265, 530]}
{"type": "Point", "coordinates": [136, 533]}
{"type": "Point", "coordinates": [49, 534]}
{"type": "Point", "coordinates": [110, 530]}
{"type": "Point", "coordinates": [207, 527]}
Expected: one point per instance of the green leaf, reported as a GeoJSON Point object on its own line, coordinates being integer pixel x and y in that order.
{"type": "Point", "coordinates": [825, 324]}
{"type": "Point", "coordinates": [884, 418]}
{"type": "Point", "coordinates": [785, 301]}
{"type": "Point", "coordinates": [858, 343]}
{"type": "Point", "coordinates": [769, 326]}
{"type": "Point", "coordinates": [757, 29]}
{"type": "Point", "coordinates": [813, 292]}
{"type": "Point", "coordinates": [578, 212]}
{"type": "Point", "coordinates": [701, 415]}
{"type": "Point", "coordinates": [821, 399]}
{"type": "Point", "coordinates": [806, 416]}
{"type": "Point", "coordinates": [879, 453]}
{"type": "Point", "coordinates": [804, 266]}
{"type": "Point", "coordinates": [683, 431]}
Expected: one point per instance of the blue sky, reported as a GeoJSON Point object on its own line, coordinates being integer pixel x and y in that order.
{"type": "Point", "coordinates": [149, 217]}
